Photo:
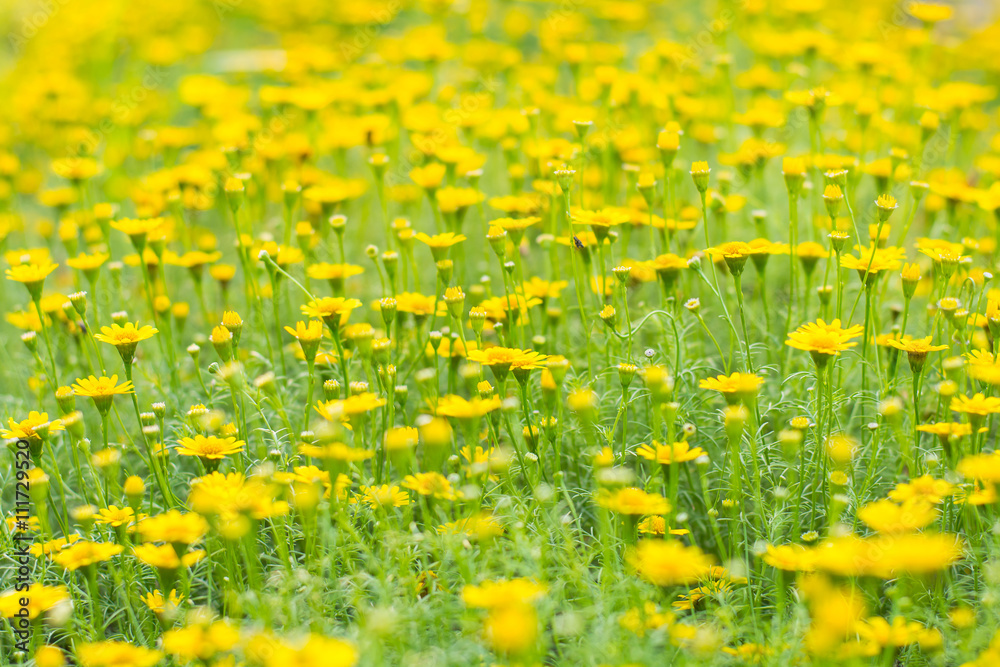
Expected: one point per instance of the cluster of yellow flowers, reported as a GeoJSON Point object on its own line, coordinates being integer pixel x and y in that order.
{"type": "Point", "coordinates": [476, 332]}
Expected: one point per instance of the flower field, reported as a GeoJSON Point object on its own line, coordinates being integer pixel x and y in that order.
{"type": "Point", "coordinates": [499, 332]}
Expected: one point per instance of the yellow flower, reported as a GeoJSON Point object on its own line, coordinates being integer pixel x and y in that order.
{"type": "Point", "coordinates": [101, 387]}
{"type": "Point", "coordinates": [929, 12]}
{"type": "Point", "coordinates": [417, 304]}
{"type": "Point", "coordinates": [947, 429]}
{"type": "Point", "coordinates": [790, 557]}
{"type": "Point", "coordinates": [916, 350]}
{"type": "Point", "coordinates": [915, 553]}
{"type": "Point", "coordinates": [982, 467]}
{"type": "Point", "coordinates": [49, 656]}
{"type": "Point", "coordinates": [125, 338]}
{"type": "Point", "coordinates": [310, 332]}
{"type": "Point", "coordinates": [793, 166]}
{"type": "Point", "coordinates": [886, 202]}
{"type": "Point", "coordinates": [516, 224]}
{"type": "Point", "coordinates": [138, 229]}
{"type": "Point", "coordinates": [699, 168]}
{"type": "Point", "coordinates": [480, 527]}
{"type": "Point", "coordinates": [200, 641]}
{"type": "Point", "coordinates": [332, 310]}
{"type": "Point", "coordinates": [32, 276]}
{"type": "Point", "coordinates": [887, 556]}
{"type": "Point", "coordinates": [352, 406]}
{"type": "Point", "coordinates": [657, 525]}
{"type": "Point", "coordinates": [678, 452]}
{"type": "Point", "coordinates": [439, 241]}
{"type": "Point", "coordinates": [164, 556]}
{"type": "Point", "coordinates": [158, 604]}
{"type": "Point", "coordinates": [40, 599]}
{"type": "Point", "coordinates": [26, 428]}
{"type": "Point", "coordinates": [116, 517]}
{"type": "Point", "coordinates": [76, 168]}
{"type": "Point", "coordinates": [84, 554]}
{"type": "Point", "coordinates": [336, 451]}
{"type": "Point", "coordinates": [924, 488]}
{"type": "Point", "coordinates": [885, 516]}
{"type": "Point", "coordinates": [506, 358]}
{"type": "Point", "coordinates": [88, 263]}
{"type": "Point", "coordinates": [633, 501]}
{"type": "Point", "coordinates": [116, 654]}
{"type": "Point", "coordinates": [428, 176]}
{"type": "Point", "coordinates": [821, 338]}
{"type": "Point", "coordinates": [669, 563]}
{"type": "Point", "coordinates": [102, 390]}
{"type": "Point", "coordinates": [233, 494]}
{"type": "Point", "coordinates": [333, 272]}
{"type": "Point", "coordinates": [502, 593]}
{"type": "Point", "coordinates": [174, 527]}
{"type": "Point", "coordinates": [316, 651]}
{"type": "Point", "coordinates": [738, 385]}
{"type": "Point", "coordinates": [978, 405]}
{"type": "Point", "coordinates": [209, 447]}
{"type": "Point", "coordinates": [432, 484]}
{"type": "Point", "coordinates": [382, 496]}
{"type": "Point", "coordinates": [511, 630]}
{"type": "Point", "coordinates": [608, 217]}
{"type": "Point", "coordinates": [54, 546]}
{"type": "Point", "coordinates": [30, 273]}
{"type": "Point", "coordinates": [873, 260]}
{"type": "Point", "coordinates": [401, 438]}
{"type": "Point", "coordinates": [731, 249]}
